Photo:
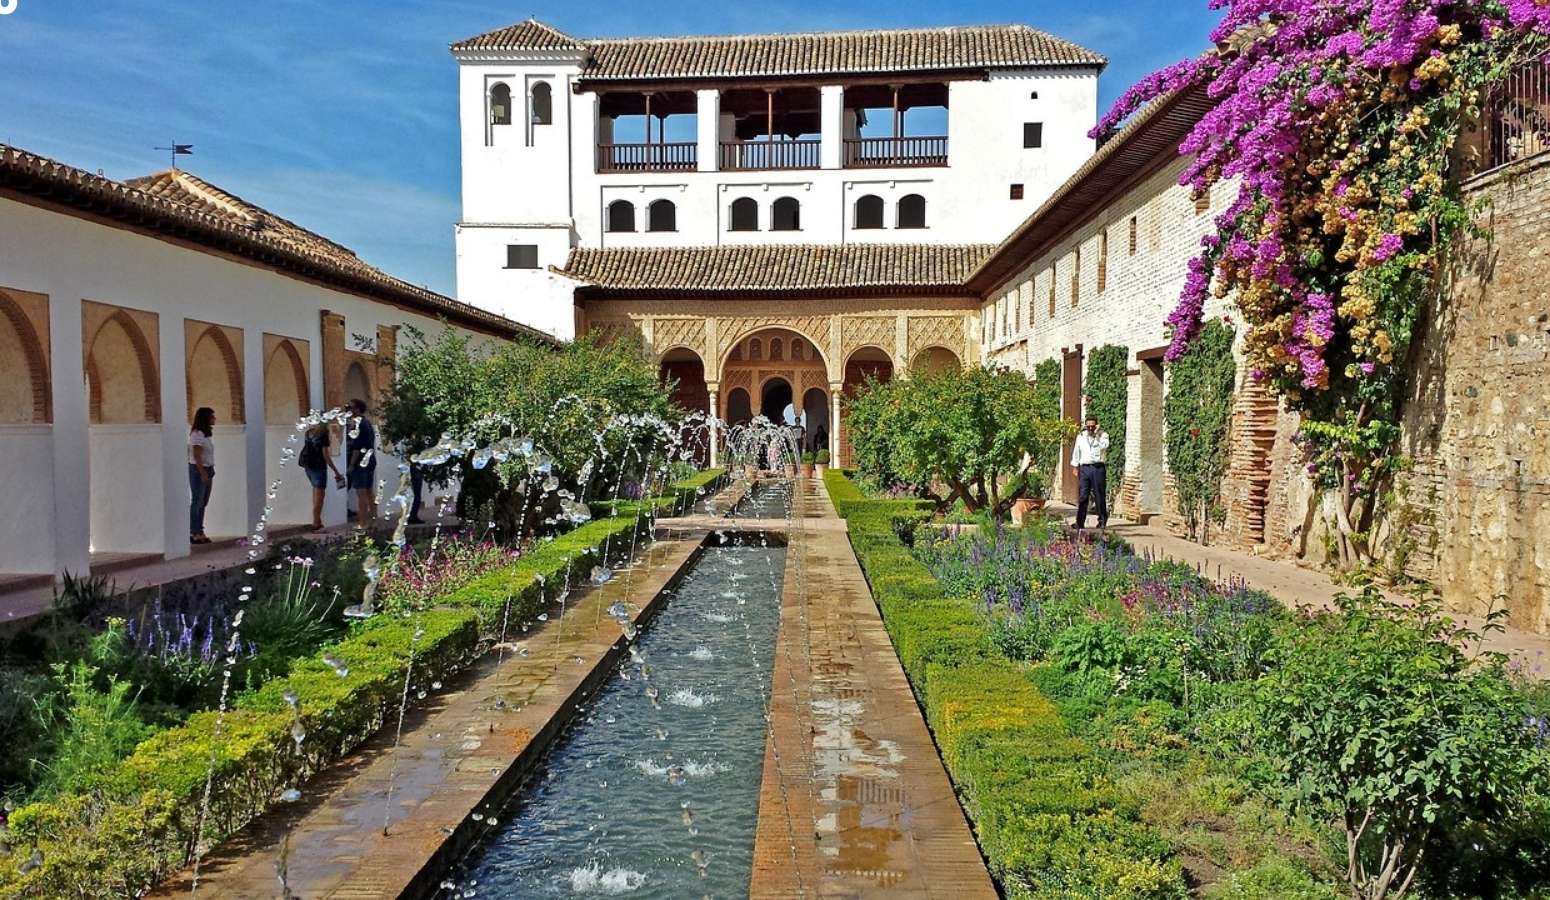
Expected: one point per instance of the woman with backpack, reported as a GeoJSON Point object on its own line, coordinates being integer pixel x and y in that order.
{"type": "Point", "coordinates": [315, 460]}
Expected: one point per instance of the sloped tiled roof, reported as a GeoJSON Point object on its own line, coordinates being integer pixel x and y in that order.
{"type": "Point", "coordinates": [784, 270]}
{"type": "Point", "coordinates": [529, 34]}
{"type": "Point", "coordinates": [806, 54]}
{"type": "Point", "coordinates": [182, 206]}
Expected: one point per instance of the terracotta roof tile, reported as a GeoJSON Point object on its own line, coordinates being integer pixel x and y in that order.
{"type": "Point", "coordinates": [820, 53]}
{"type": "Point", "coordinates": [782, 269]}
{"type": "Point", "coordinates": [184, 206]}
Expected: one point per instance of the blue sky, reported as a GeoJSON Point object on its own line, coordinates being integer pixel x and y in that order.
{"type": "Point", "coordinates": [341, 115]}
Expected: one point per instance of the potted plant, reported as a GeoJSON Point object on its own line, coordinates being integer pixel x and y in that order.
{"type": "Point", "coordinates": [1033, 502]}
{"type": "Point", "coordinates": [808, 459]}
{"type": "Point", "coordinates": [821, 460]}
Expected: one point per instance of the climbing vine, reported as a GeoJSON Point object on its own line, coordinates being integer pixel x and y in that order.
{"type": "Point", "coordinates": [1196, 411]}
{"type": "Point", "coordinates": [1107, 393]}
{"type": "Point", "coordinates": [1337, 122]}
{"type": "Point", "coordinates": [1046, 405]}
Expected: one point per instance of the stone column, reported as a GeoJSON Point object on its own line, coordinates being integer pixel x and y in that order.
{"type": "Point", "coordinates": [175, 416]}
{"type": "Point", "coordinates": [715, 451]}
{"type": "Point", "coordinates": [707, 126]}
{"type": "Point", "coordinates": [831, 126]}
{"type": "Point", "coordinates": [835, 389]}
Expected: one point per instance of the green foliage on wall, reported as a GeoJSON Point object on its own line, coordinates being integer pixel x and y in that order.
{"type": "Point", "coordinates": [1107, 398]}
{"type": "Point", "coordinates": [1196, 409]}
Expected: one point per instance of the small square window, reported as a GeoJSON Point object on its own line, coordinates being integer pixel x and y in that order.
{"type": "Point", "coordinates": [521, 256]}
{"type": "Point", "coordinates": [1034, 95]}
{"type": "Point", "coordinates": [1033, 135]}
{"type": "Point", "coordinates": [1017, 192]}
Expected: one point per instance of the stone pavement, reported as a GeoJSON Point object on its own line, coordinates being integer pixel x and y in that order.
{"type": "Point", "coordinates": [464, 753]}
{"type": "Point", "coordinates": [854, 800]}
{"type": "Point", "coordinates": [1298, 586]}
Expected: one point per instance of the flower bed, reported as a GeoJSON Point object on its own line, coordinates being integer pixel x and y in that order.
{"type": "Point", "coordinates": [1121, 727]}
{"type": "Point", "coordinates": [131, 826]}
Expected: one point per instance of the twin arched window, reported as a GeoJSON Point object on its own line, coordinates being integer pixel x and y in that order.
{"type": "Point", "coordinates": [661, 215]}
{"type": "Point", "coordinates": [786, 215]}
{"type": "Point", "coordinates": [745, 214]}
{"type": "Point", "coordinates": [911, 212]}
{"type": "Point", "coordinates": [621, 216]}
{"type": "Point", "coordinates": [500, 104]}
{"type": "Point", "coordinates": [542, 103]}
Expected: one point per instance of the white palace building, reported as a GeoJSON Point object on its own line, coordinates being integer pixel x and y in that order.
{"type": "Point", "coordinates": [931, 136]}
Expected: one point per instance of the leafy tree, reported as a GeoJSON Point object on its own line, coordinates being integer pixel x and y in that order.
{"type": "Point", "coordinates": [1046, 405]}
{"type": "Point", "coordinates": [1107, 393]}
{"type": "Point", "coordinates": [974, 431]}
{"type": "Point", "coordinates": [563, 399]}
{"type": "Point", "coordinates": [1376, 713]}
{"type": "Point", "coordinates": [1197, 409]}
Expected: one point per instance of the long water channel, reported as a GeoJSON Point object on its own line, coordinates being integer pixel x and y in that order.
{"type": "Point", "coordinates": [657, 796]}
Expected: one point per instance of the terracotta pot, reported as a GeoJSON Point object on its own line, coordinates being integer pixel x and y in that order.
{"type": "Point", "coordinates": [807, 470]}
{"type": "Point", "coordinates": [820, 468]}
{"type": "Point", "coordinates": [791, 471]}
{"type": "Point", "coordinates": [1021, 508]}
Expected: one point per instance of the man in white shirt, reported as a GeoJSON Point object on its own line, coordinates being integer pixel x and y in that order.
{"type": "Point", "coordinates": [1089, 460]}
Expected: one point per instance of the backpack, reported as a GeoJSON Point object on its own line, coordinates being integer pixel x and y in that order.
{"type": "Point", "coordinates": [311, 455]}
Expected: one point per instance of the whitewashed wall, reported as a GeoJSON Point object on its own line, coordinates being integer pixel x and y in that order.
{"type": "Point", "coordinates": [69, 486]}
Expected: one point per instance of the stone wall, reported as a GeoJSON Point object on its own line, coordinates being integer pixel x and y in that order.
{"type": "Point", "coordinates": [1472, 513]}
{"type": "Point", "coordinates": [1478, 418]}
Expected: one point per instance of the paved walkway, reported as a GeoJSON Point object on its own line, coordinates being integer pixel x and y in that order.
{"type": "Point", "coordinates": [1298, 586]}
{"type": "Point", "coordinates": [854, 800]}
{"type": "Point", "coordinates": [464, 753]}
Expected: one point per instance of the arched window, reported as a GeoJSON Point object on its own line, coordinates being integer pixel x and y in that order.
{"type": "Point", "coordinates": [796, 349]}
{"type": "Point", "coordinates": [543, 103]}
{"type": "Point", "coordinates": [777, 353]}
{"type": "Point", "coordinates": [912, 211]}
{"type": "Point", "coordinates": [621, 216]}
{"type": "Point", "coordinates": [786, 215]}
{"type": "Point", "coordinates": [869, 212]}
{"type": "Point", "coordinates": [500, 104]}
{"type": "Point", "coordinates": [662, 215]}
{"type": "Point", "coordinates": [755, 349]}
{"type": "Point", "coordinates": [745, 214]}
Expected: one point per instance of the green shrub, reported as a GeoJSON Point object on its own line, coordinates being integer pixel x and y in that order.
{"type": "Point", "coordinates": [1045, 810]}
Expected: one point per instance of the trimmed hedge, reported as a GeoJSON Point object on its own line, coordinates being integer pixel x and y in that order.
{"type": "Point", "coordinates": [1046, 814]}
{"type": "Point", "coordinates": [122, 834]}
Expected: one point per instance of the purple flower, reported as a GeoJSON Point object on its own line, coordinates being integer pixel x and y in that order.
{"type": "Point", "coordinates": [1388, 246]}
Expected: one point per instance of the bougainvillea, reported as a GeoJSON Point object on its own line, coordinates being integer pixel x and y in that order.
{"type": "Point", "coordinates": [1339, 122]}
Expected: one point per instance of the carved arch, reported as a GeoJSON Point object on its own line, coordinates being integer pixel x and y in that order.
{"type": "Point", "coordinates": [217, 336]}
{"type": "Point", "coordinates": [285, 353]}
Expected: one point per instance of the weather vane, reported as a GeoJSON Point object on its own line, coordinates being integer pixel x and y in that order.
{"type": "Point", "coordinates": [177, 150]}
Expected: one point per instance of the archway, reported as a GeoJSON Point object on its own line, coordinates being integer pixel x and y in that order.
{"type": "Point", "coordinates": [125, 443]}
{"type": "Point", "coordinates": [285, 386]}
{"type": "Point", "coordinates": [357, 385]}
{"type": "Point", "coordinates": [739, 407]}
{"type": "Point", "coordinates": [121, 374]}
{"type": "Point", "coordinates": [863, 365]}
{"type": "Point", "coordinates": [774, 396]}
{"type": "Point", "coordinates": [684, 368]}
{"type": "Point", "coordinates": [685, 371]}
{"type": "Point", "coordinates": [214, 376]}
{"type": "Point", "coordinates": [815, 403]}
{"type": "Point", "coordinates": [934, 361]}
{"type": "Point", "coordinates": [24, 384]}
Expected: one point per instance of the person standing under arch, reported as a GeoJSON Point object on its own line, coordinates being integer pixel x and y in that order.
{"type": "Point", "coordinates": [361, 464]}
{"type": "Point", "coordinates": [315, 461]}
{"type": "Point", "coordinates": [201, 472]}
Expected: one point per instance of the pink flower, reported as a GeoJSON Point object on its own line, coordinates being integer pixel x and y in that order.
{"type": "Point", "coordinates": [1388, 245]}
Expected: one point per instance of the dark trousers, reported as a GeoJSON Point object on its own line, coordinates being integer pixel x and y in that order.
{"type": "Point", "coordinates": [1092, 487]}
{"type": "Point", "coordinates": [416, 483]}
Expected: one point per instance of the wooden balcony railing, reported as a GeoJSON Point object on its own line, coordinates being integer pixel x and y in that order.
{"type": "Point", "coordinates": [678, 157]}
{"type": "Point", "coordinates": [873, 153]}
{"type": "Point", "coordinates": [1517, 114]}
{"type": "Point", "coordinates": [746, 155]}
